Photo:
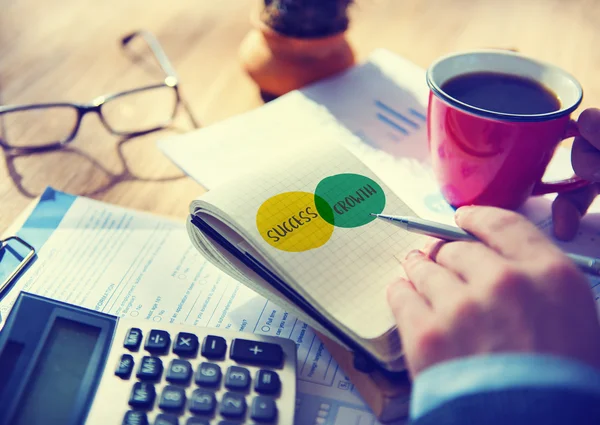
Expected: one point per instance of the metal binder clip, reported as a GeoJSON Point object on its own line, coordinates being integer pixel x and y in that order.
{"type": "Point", "coordinates": [25, 260]}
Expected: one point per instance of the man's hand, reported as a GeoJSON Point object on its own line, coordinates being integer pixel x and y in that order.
{"type": "Point", "coordinates": [514, 292]}
{"type": "Point", "coordinates": [568, 208]}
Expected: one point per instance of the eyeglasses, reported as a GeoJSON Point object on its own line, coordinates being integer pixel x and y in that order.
{"type": "Point", "coordinates": [47, 126]}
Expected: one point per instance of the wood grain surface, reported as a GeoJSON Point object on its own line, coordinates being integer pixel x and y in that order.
{"type": "Point", "coordinates": [68, 50]}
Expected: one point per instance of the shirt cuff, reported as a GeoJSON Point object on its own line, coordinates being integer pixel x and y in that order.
{"type": "Point", "coordinates": [466, 376]}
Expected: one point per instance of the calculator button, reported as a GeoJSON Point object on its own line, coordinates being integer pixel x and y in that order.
{"type": "Point", "coordinates": [172, 398]}
{"type": "Point", "coordinates": [157, 341]}
{"type": "Point", "coordinates": [233, 405]}
{"type": "Point", "coordinates": [237, 378]}
{"type": "Point", "coordinates": [197, 421]}
{"type": "Point", "coordinates": [208, 374]}
{"type": "Point", "coordinates": [166, 419]}
{"type": "Point", "coordinates": [134, 417]}
{"type": "Point", "coordinates": [228, 423]}
{"type": "Point", "coordinates": [125, 366]}
{"type": "Point", "coordinates": [142, 395]}
{"type": "Point", "coordinates": [179, 371]}
{"type": "Point", "coordinates": [133, 339]}
{"type": "Point", "coordinates": [267, 382]}
{"type": "Point", "coordinates": [214, 347]}
{"type": "Point", "coordinates": [263, 409]}
{"type": "Point", "coordinates": [186, 344]}
{"type": "Point", "coordinates": [150, 368]}
{"type": "Point", "coordinates": [256, 352]}
{"type": "Point", "coordinates": [202, 402]}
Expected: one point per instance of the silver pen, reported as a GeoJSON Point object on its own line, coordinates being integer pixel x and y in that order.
{"type": "Point", "coordinates": [452, 233]}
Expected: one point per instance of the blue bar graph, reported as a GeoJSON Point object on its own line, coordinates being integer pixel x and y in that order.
{"type": "Point", "coordinates": [396, 114]}
{"type": "Point", "coordinates": [418, 114]}
{"type": "Point", "coordinates": [391, 123]}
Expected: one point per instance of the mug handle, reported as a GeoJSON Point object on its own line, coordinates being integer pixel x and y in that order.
{"type": "Point", "coordinates": [575, 182]}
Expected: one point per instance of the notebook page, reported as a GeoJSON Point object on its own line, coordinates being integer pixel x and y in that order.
{"type": "Point", "coordinates": [340, 258]}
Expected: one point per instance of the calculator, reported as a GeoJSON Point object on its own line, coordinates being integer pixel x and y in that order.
{"type": "Point", "coordinates": [68, 365]}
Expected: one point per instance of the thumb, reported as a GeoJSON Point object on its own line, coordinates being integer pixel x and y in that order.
{"type": "Point", "coordinates": [569, 207]}
{"type": "Point", "coordinates": [585, 159]}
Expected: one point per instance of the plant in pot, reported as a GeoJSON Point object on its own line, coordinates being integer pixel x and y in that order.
{"type": "Point", "coordinates": [296, 42]}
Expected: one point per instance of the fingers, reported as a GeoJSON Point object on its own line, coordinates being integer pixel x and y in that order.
{"type": "Point", "coordinates": [413, 316]}
{"type": "Point", "coordinates": [589, 126]}
{"type": "Point", "coordinates": [569, 207]}
{"type": "Point", "coordinates": [409, 308]}
{"type": "Point", "coordinates": [565, 217]}
{"type": "Point", "coordinates": [507, 232]}
{"type": "Point", "coordinates": [460, 257]}
{"type": "Point", "coordinates": [435, 283]}
{"type": "Point", "coordinates": [585, 159]}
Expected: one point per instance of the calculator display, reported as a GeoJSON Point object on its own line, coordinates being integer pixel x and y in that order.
{"type": "Point", "coordinates": [53, 387]}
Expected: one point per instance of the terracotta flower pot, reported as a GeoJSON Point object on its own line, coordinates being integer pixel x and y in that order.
{"type": "Point", "coordinates": [279, 63]}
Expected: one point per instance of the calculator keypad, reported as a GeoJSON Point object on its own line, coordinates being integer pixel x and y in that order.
{"type": "Point", "coordinates": [197, 421]}
{"type": "Point", "coordinates": [133, 339]}
{"type": "Point", "coordinates": [142, 395]}
{"type": "Point", "coordinates": [256, 352]}
{"type": "Point", "coordinates": [150, 369]}
{"type": "Point", "coordinates": [186, 344]}
{"type": "Point", "coordinates": [157, 342]}
{"type": "Point", "coordinates": [267, 382]}
{"type": "Point", "coordinates": [172, 398]}
{"type": "Point", "coordinates": [179, 371]}
{"type": "Point", "coordinates": [208, 375]}
{"type": "Point", "coordinates": [186, 380]}
{"type": "Point", "coordinates": [263, 409]}
{"type": "Point", "coordinates": [135, 417]}
{"type": "Point", "coordinates": [203, 402]}
{"type": "Point", "coordinates": [214, 347]}
{"type": "Point", "coordinates": [166, 419]}
{"type": "Point", "coordinates": [233, 405]}
{"type": "Point", "coordinates": [125, 366]}
{"type": "Point", "coordinates": [237, 378]}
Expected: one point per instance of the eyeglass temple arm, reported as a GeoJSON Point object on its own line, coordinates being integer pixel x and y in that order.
{"type": "Point", "coordinates": [156, 48]}
{"type": "Point", "coordinates": [163, 61]}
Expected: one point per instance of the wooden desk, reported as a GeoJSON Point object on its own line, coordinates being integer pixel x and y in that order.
{"type": "Point", "coordinates": [69, 50]}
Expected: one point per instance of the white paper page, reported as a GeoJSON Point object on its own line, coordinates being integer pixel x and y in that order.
{"type": "Point", "coordinates": [383, 102]}
{"type": "Point", "coordinates": [132, 264]}
{"type": "Point", "coordinates": [343, 262]}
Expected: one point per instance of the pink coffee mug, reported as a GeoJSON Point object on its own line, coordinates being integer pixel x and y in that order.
{"type": "Point", "coordinates": [484, 157]}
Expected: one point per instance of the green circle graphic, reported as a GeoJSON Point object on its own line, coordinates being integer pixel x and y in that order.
{"type": "Point", "coordinates": [347, 200]}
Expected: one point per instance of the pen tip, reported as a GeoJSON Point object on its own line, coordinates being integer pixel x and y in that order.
{"type": "Point", "coordinates": [375, 215]}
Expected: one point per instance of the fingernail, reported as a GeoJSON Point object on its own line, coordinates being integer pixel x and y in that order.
{"type": "Point", "coordinates": [414, 253]}
{"type": "Point", "coordinates": [461, 212]}
{"type": "Point", "coordinates": [392, 288]}
{"type": "Point", "coordinates": [396, 286]}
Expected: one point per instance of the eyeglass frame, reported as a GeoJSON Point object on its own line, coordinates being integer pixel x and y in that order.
{"type": "Point", "coordinates": [171, 80]}
{"type": "Point", "coordinates": [4, 244]}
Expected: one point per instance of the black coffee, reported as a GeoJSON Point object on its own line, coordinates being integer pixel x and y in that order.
{"type": "Point", "coordinates": [504, 93]}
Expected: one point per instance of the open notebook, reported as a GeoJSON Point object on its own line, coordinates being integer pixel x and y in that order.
{"type": "Point", "coordinates": [300, 233]}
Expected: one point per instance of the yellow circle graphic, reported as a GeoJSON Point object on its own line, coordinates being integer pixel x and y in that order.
{"type": "Point", "coordinates": [290, 222]}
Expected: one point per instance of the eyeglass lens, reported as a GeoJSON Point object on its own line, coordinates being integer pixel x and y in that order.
{"type": "Point", "coordinates": [37, 127]}
{"type": "Point", "coordinates": [140, 110]}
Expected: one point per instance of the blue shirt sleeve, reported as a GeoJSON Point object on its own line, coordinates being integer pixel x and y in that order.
{"type": "Point", "coordinates": [449, 380]}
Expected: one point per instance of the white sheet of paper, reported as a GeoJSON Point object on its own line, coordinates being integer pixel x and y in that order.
{"type": "Point", "coordinates": [384, 103]}
{"type": "Point", "coordinates": [133, 264]}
